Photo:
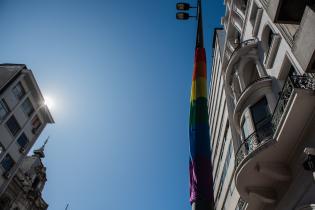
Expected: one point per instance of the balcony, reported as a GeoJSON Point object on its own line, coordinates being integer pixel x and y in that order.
{"type": "Point", "coordinates": [287, 11]}
{"type": "Point", "coordinates": [241, 49]}
{"type": "Point", "coordinates": [255, 90]}
{"type": "Point", "coordinates": [261, 160]}
{"type": "Point", "coordinates": [261, 136]}
{"type": "Point", "coordinates": [304, 43]}
{"type": "Point", "coordinates": [241, 204]}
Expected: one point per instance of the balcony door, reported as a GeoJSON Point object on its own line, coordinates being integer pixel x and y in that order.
{"type": "Point", "coordinates": [261, 118]}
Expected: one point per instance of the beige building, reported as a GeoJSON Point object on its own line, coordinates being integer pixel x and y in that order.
{"type": "Point", "coordinates": [23, 116]}
{"type": "Point", "coordinates": [262, 105]}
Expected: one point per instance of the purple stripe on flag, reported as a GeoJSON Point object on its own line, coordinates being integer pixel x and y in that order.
{"type": "Point", "coordinates": [201, 182]}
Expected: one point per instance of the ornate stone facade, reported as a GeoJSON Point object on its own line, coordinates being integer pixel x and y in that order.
{"type": "Point", "coordinates": [25, 190]}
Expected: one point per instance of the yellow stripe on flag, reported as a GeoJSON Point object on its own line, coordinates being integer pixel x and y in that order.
{"type": "Point", "coordinates": [198, 88]}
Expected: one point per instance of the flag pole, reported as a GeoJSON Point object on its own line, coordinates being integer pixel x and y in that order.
{"type": "Point", "coordinates": [199, 37]}
{"type": "Point", "coordinates": [202, 204]}
{"type": "Point", "coordinates": [200, 167]}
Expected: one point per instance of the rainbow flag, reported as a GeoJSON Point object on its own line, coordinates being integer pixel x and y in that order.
{"type": "Point", "coordinates": [200, 168]}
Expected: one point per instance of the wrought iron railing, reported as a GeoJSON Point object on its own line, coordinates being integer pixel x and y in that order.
{"type": "Point", "coordinates": [262, 133]}
{"type": "Point", "coordinates": [306, 82]}
{"type": "Point", "coordinates": [282, 102]}
{"type": "Point", "coordinates": [266, 128]}
{"type": "Point", "coordinates": [241, 204]}
{"type": "Point", "coordinates": [243, 44]}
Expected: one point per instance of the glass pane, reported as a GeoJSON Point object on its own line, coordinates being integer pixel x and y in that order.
{"type": "Point", "coordinates": [22, 140]}
{"type": "Point", "coordinates": [27, 107]}
{"type": "Point", "coordinates": [7, 162]}
{"type": "Point", "coordinates": [18, 91]}
{"type": "Point", "coordinates": [13, 125]}
{"type": "Point", "coordinates": [245, 128]}
{"type": "Point", "coordinates": [260, 111]}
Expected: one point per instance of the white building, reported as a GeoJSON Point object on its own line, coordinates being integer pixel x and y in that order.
{"type": "Point", "coordinates": [23, 116]}
{"type": "Point", "coordinates": [221, 133]}
{"type": "Point", "coordinates": [262, 105]}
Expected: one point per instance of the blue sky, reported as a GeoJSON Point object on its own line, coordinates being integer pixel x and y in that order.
{"type": "Point", "coordinates": [119, 72]}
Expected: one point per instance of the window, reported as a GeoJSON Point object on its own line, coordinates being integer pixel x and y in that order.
{"type": "Point", "coordinates": [4, 109]}
{"type": "Point", "coordinates": [266, 39]}
{"type": "Point", "coordinates": [262, 119]}
{"type": "Point", "coordinates": [27, 107]}
{"type": "Point", "coordinates": [245, 128]}
{"type": "Point", "coordinates": [260, 112]}
{"type": "Point", "coordinates": [225, 169]}
{"type": "Point", "coordinates": [22, 140]}
{"type": "Point", "coordinates": [13, 125]}
{"type": "Point", "coordinates": [7, 162]}
{"type": "Point", "coordinates": [227, 162]}
{"type": "Point", "coordinates": [36, 123]}
{"type": "Point", "coordinates": [18, 91]}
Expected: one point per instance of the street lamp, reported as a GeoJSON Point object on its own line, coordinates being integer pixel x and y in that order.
{"type": "Point", "coordinates": [182, 16]}
{"type": "Point", "coordinates": [183, 7]}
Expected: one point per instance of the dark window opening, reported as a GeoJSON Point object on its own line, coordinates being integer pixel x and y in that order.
{"type": "Point", "coordinates": [22, 140]}
{"type": "Point", "coordinates": [7, 162]}
{"type": "Point", "coordinates": [13, 125]}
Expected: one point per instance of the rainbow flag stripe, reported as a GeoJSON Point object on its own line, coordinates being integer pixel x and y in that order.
{"type": "Point", "coordinates": [201, 183]}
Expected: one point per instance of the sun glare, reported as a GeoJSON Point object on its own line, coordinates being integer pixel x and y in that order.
{"type": "Point", "coordinates": [49, 102]}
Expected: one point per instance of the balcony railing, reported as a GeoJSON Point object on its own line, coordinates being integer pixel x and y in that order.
{"type": "Point", "coordinates": [261, 135]}
{"type": "Point", "coordinates": [241, 204]}
{"type": "Point", "coordinates": [253, 82]}
{"type": "Point", "coordinates": [243, 44]}
{"type": "Point", "coordinates": [306, 82]}
{"type": "Point", "coordinates": [266, 128]}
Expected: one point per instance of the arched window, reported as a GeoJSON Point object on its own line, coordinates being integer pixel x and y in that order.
{"type": "Point", "coordinates": [266, 39]}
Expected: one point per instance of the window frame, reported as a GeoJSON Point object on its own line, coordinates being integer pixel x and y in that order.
{"type": "Point", "coordinates": [7, 157]}
{"type": "Point", "coordinates": [36, 124]}
{"type": "Point", "coordinates": [28, 104]}
{"type": "Point", "coordinates": [18, 91]}
{"type": "Point", "coordinates": [4, 106]}
{"type": "Point", "coordinates": [16, 131]}
{"type": "Point", "coordinates": [23, 137]}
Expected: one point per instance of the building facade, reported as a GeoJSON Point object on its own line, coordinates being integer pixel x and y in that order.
{"type": "Point", "coordinates": [24, 192]}
{"type": "Point", "coordinates": [221, 132]}
{"type": "Point", "coordinates": [262, 105]}
{"type": "Point", "coordinates": [23, 116]}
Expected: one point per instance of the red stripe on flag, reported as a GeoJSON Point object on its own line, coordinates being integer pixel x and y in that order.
{"type": "Point", "coordinates": [200, 69]}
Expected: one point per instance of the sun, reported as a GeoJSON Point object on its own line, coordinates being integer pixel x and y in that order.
{"type": "Point", "coordinates": [49, 102]}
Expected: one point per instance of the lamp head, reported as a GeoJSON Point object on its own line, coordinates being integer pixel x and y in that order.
{"type": "Point", "coordinates": [182, 6]}
{"type": "Point", "coordinates": [182, 16]}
